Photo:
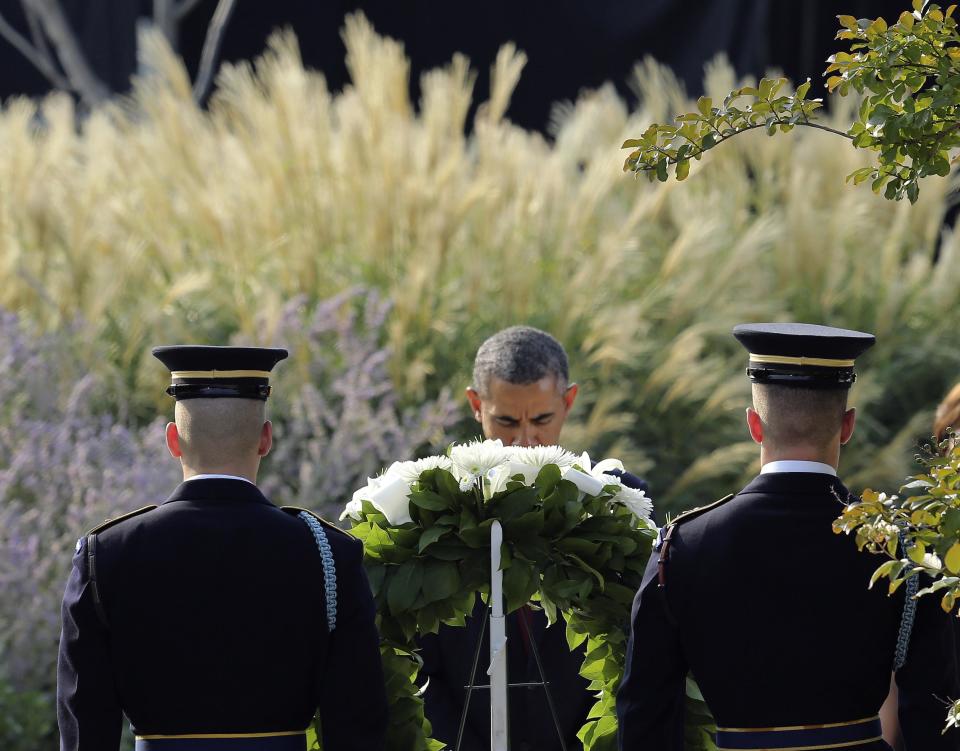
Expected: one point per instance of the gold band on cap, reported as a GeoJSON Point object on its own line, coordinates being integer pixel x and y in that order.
{"type": "Point", "coordinates": [216, 374]}
{"type": "Point", "coordinates": [217, 736]}
{"type": "Point", "coordinates": [819, 362]}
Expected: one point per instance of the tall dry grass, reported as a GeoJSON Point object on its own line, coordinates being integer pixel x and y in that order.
{"type": "Point", "coordinates": [157, 222]}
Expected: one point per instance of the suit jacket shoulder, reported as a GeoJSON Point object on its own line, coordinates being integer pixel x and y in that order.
{"type": "Point", "coordinates": [117, 519]}
{"type": "Point", "coordinates": [342, 542]}
{"type": "Point", "coordinates": [297, 510]}
{"type": "Point", "coordinates": [698, 510]}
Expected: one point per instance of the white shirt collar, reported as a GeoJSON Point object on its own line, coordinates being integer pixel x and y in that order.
{"type": "Point", "coordinates": [795, 465]}
{"type": "Point", "coordinates": [219, 477]}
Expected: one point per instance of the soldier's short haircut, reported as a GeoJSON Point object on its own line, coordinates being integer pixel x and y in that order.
{"type": "Point", "coordinates": [799, 416]}
{"type": "Point", "coordinates": [216, 430]}
{"type": "Point", "coordinates": [520, 355]}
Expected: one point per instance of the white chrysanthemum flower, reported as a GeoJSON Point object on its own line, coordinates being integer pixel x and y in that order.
{"type": "Point", "coordinates": [635, 500]}
{"type": "Point", "coordinates": [529, 460]}
{"type": "Point", "coordinates": [477, 458]}
{"type": "Point", "coordinates": [541, 456]}
{"type": "Point", "coordinates": [410, 471]}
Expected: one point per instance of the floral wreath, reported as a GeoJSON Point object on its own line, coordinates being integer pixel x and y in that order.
{"type": "Point", "coordinates": [575, 541]}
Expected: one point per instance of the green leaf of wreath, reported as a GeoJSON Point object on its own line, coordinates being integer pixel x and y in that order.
{"type": "Point", "coordinates": [440, 580]}
{"type": "Point", "coordinates": [581, 558]}
{"type": "Point", "coordinates": [430, 536]}
{"type": "Point", "coordinates": [429, 500]}
{"type": "Point", "coordinates": [404, 586]}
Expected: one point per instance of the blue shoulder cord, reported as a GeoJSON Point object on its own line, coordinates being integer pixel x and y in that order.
{"type": "Point", "coordinates": [909, 613]}
{"type": "Point", "coordinates": [329, 567]}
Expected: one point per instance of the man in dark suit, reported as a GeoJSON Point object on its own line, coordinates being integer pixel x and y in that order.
{"type": "Point", "coordinates": [218, 621]}
{"type": "Point", "coordinates": [521, 394]}
{"type": "Point", "coordinates": [765, 605]}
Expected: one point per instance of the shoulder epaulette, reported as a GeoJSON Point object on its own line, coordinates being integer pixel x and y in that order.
{"type": "Point", "coordinates": [117, 519]}
{"type": "Point", "coordinates": [694, 512]}
{"type": "Point", "coordinates": [91, 538]}
{"type": "Point", "coordinates": [662, 545]}
{"type": "Point", "coordinates": [295, 510]}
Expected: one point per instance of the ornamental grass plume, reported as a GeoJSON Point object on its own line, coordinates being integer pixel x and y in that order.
{"type": "Point", "coordinates": [158, 221]}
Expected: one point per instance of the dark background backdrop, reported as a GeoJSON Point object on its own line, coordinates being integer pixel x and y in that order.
{"type": "Point", "coordinates": [571, 44]}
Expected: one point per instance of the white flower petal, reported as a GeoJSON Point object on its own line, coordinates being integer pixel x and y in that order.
{"type": "Point", "coordinates": [477, 458]}
{"type": "Point", "coordinates": [585, 483]}
{"type": "Point", "coordinates": [605, 466]}
{"type": "Point", "coordinates": [541, 456]}
{"type": "Point", "coordinates": [411, 471]}
{"type": "Point", "coordinates": [495, 480]}
{"type": "Point", "coordinates": [392, 500]}
{"type": "Point", "coordinates": [353, 509]}
{"type": "Point", "coordinates": [635, 500]}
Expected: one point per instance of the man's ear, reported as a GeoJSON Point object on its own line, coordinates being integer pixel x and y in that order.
{"type": "Point", "coordinates": [755, 425]}
{"type": "Point", "coordinates": [846, 428]}
{"type": "Point", "coordinates": [173, 440]}
{"type": "Point", "coordinates": [475, 402]}
{"type": "Point", "coordinates": [570, 395]}
{"type": "Point", "coordinates": [266, 439]}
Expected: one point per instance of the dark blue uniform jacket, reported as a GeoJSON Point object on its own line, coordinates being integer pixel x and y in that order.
{"type": "Point", "coordinates": [774, 619]}
{"type": "Point", "coordinates": [215, 616]}
{"type": "Point", "coordinates": [448, 657]}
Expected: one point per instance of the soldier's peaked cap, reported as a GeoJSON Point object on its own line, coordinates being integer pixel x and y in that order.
{"type": "Point", "coordinates": [802, 354]}
{"type": "Point", "coordinates": [205, 372]}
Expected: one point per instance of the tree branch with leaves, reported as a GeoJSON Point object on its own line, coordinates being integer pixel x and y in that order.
{"type": "Point", "coordinates": [907, 73]}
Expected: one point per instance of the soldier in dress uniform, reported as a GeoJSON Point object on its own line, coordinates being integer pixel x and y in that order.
{"type": "Point", "coordinates": [218, 621]}
{"type": "Point", "coordinates": [766, 606]}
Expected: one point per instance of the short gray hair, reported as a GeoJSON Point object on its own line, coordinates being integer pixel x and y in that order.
{"type": "Point", "coordinates": [216, 430]}
{"type": "Point", "coordinates": [520, 355]}
{"type": "Point", "coordinates": [799, 416]}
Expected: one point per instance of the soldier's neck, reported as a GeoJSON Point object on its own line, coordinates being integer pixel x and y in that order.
{"type": "Point", "coordinates": [246, 472]}
{"type": "Point", "coordinates": [829, 455]}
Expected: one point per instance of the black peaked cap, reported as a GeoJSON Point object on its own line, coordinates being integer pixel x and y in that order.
{"type": "Point", "coordinates": [802, 354]}
{"type": "Point", "coordinates": [200, 371]}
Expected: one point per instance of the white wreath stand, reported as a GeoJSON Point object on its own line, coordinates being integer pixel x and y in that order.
{"type": "Point", "coordinates": [497, 672]}
{"type": "Point", "coordinates": [498, 647]}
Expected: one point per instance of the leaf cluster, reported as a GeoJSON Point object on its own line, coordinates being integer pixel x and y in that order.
{"type": "Point", "coordinates": [665, 147]}
{"type": "Point", "coordinates": [580, 556]}
{"type": "Point", "coordinates": [907, 75]}
{"type": "Point", "coordinates": [918, 531]}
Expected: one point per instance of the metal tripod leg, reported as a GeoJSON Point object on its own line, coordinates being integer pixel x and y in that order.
{"type": "Point", "coordinates": [543, 678]}
{"type": "Point", "coordinates": [473, 674]}
{"type": "Point", "coordinates": [471, 686]}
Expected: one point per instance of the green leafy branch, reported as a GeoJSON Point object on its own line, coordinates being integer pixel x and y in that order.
{"type": "Point", "coordinates": [927, 516]}
{"type": "Point", "coordinates": [907, 73]}
{"type": "Point", "coordinates": [662, 147]}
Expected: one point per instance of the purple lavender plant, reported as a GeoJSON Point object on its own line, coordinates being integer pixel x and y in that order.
{"type": "Point", "coordinates": [67, 462]}
{"type": "Point", "coordinates": [338, 415]}
{"type": "Point", "coordinates": [63, 468]}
